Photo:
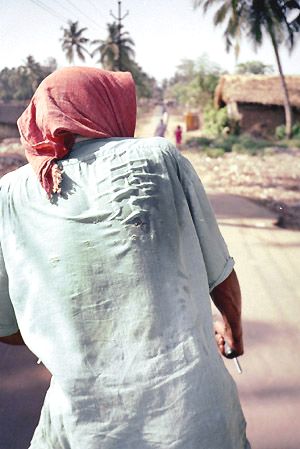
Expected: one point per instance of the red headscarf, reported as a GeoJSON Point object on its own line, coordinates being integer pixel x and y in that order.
{"type": "Point", "coordinates": [74, 101]}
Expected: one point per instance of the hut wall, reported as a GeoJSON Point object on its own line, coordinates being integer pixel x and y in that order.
{"type": "Point", "coordinates": [263, 119]}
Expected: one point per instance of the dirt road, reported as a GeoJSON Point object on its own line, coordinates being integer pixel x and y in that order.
{"type": "Point", "coordinates": [147, 123]}
{"type": "Point", "coordinates": [267, 265]}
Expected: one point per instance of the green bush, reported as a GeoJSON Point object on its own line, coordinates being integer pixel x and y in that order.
{"type": "Point", "coordinates": [242, 149]}
{"type": "Point", "coordinates": [215, 152]}
{"type": "Point", "coordinates": [296, 131]}
{"type": "Point", "coordinates": [238, 148]}
{"type": "Point", "coordinates": [205, 143]}
{"type": "Point", "coordinates": [215, 120]}
{"type": "Point", "coordinates": [199, 141]}
{"type": "Point", "coordinates": [280, 131]}
{"type": "Point", "coordinates": [250, 145]}
{"type": "Point", "coordinates": [226, 142]}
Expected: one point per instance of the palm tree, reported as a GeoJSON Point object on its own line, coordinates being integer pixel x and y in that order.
{"type": "Point", "coordinates": [107, 49]}
{"type": "Point", "coordinates": [115, 52]}
{"type": "Point", "coordinates": [257, 18]}
{"type": "Point", "coordinates": [73, 42]}
{"type": "Point", "coordinates": [33, 71]}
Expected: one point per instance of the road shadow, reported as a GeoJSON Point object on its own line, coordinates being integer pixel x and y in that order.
{"type": "Point", "coordinates": [263, 332]}
{"type": "Point", "coordinates": [257, 226]}
{"type": "Point", "coordinates": [282, 393]}
{"type": "Point", "coordinates": [271, 344]}
{"type": "Point", "coordinates": [254, 211]}
{"type": "Point", "coordinates": [270, 385]}
{"type": "Point", "coordinates": [236, 206]}
{"type": "Point", "coordinates": [23, 385]}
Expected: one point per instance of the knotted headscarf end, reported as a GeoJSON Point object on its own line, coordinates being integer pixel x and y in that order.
{"type": "Point", "coordinates": [43, 156]}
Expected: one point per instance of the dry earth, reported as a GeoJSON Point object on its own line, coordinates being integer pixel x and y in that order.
{"type": "Point", "coordinates": [272, 179]}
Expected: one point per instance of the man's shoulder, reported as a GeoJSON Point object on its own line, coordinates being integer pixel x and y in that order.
{"type": "Point", "coordinates": [15, 176]}
{"type": "Point", "coordinates": [156, 143]}
{"type": "Point", "coordinates": [100, 147]}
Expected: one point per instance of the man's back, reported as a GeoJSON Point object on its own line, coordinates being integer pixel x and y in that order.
{"type": "Point", "coordinates": [110, 286]}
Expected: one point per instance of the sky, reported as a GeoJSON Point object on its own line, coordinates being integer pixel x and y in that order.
{"type": "Point", "coordinates": [164, 31]}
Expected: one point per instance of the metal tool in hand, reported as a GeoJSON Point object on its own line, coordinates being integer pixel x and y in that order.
{"type": "Point", "coordinates": [231, 354]}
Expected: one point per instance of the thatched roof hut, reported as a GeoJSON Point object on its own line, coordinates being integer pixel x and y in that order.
{"type": "Point", "coordinates": [259, 89]}
{"type": "Point", "coordinates": [257, 100]}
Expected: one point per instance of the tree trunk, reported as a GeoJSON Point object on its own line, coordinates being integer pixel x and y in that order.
{"type": "Point", "coordinates": [286, 100]}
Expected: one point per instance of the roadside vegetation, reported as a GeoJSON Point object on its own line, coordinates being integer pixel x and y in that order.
{"type": "Point", "coordinates": [244, 144]}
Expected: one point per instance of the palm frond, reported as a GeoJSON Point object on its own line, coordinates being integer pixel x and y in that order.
{"type": "Point", "coordinates": [80, 53]}
{"type": "Point", "coordinates": [205, 4]}
{"type": "Point", "coordinates": [220, 14]}
{"type": "Point", "coordinates": [96, 41]}
{"type": "Point", "coordinates": [83, 40]}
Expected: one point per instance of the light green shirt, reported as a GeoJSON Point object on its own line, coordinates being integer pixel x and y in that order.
{"type": "Point", "coordinates": [109, 285]}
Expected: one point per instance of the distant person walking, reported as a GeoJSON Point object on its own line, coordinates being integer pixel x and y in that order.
{"type": "Point", "coordinates": [164, 115]}
{"type": "Point", "coordinates": [160, 129]}
{"type": "Point", "coordinates": [178, 135]}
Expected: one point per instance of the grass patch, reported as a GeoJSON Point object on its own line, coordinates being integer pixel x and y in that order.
{"type": "Point", "coordinates": [199, 141]}
{"type": "Point", "coordinates": [243, 144]}
{"type": "Point", "coordinates": [290, 143]}
{"type": "Point", "coordinates": [226, 142]}
{"type": "Point", "coordinates": [215, 152]}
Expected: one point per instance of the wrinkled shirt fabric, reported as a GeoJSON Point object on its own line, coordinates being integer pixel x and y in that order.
{"type": "Point", "coordinates": [109, 284]}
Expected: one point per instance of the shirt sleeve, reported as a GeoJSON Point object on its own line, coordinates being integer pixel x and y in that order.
{"type": "Point", "coordinates": [217, 260]}
{"type": "Point", "coordinates": [8, 322]}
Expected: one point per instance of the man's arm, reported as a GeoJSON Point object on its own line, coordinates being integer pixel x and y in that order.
{"type": "Point", "coordinates": [227, 298]}
{"type": "Point", "coordinates": [14, 339]}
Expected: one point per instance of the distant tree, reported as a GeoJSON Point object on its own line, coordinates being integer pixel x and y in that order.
{"type": "Point", "coordinates": [33, 71]}
{"type": "Point", "coordinates": [107, 50]}
{"type": "Point", "coordinates": [255, 19]}
{"type": "Point", "coordinates": [186, 70]}
{"type": "Point", "coordinates": [116, 50]}
{"type": "Point", "coordinates": [19, 83]}
{"type": "Point", "coordinates": [109, 56]}
{"type": "Point", "coordinates": [73, 42]}
{"type": "Point", "coordinates": [146, 86]}
{"type": "Point", "coordinates": [254, 67]}
{"type": "Point", "coordinates": [194, 82]}
{"type": "Point", "coordinates": [208, 74]}
{"type": "Point", "coordinates": [50, 64]}
{"type": "Point", "coordinates": [8, 84]}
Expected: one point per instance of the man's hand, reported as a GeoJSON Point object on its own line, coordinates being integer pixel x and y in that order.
{"type": "Point", "coordinates": [227, 298]}
{"type": "Point", "coordinates": [221, 335]}
{"type": "Point", "coordinates": [219, 328]}
{"type": "Point", "coordinates": [14, 339]}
